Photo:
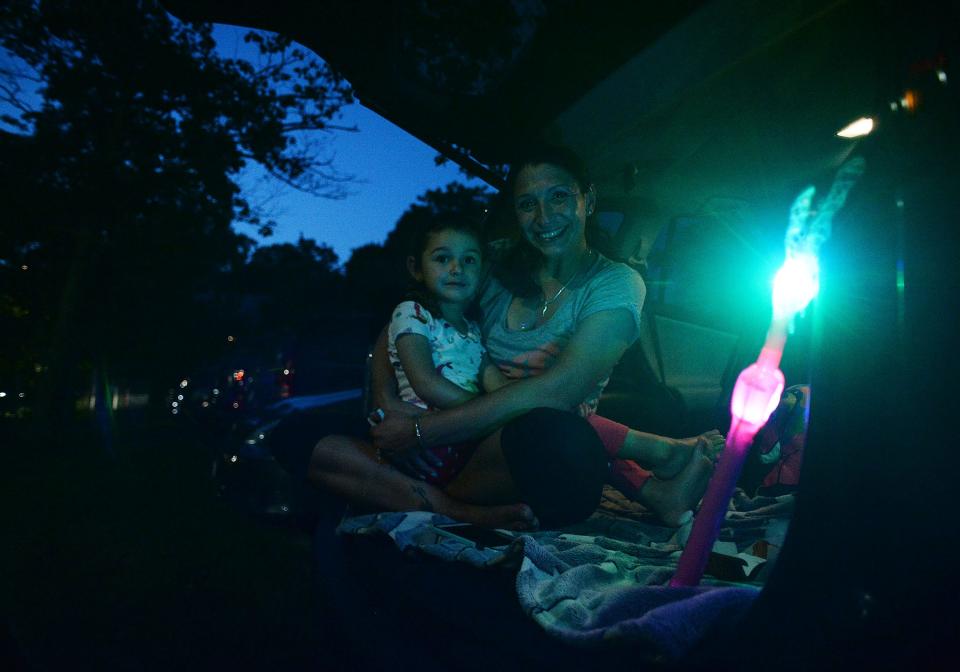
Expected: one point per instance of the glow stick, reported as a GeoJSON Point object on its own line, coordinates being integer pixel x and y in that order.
{"type": "Point", "coordinates": [758, 388]}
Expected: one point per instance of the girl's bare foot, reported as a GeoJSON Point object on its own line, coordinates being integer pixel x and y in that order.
{"type": "Point", "coordinates": [671, 499]}
{"type": "Point", "coordinates": [676, 454]}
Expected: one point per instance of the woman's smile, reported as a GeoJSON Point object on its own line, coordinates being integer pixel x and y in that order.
{"type": "Point", "coordinates": [551, 234]}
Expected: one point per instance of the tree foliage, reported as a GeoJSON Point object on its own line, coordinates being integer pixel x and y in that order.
{"type": "Point", "coordinates": [122, 189]}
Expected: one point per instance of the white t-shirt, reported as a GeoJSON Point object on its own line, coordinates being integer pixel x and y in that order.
{"type": "Point", "coordinates": [456, 356]}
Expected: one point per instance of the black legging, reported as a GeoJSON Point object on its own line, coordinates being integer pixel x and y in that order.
{"type": "Point", "coordinates": [558, 463]}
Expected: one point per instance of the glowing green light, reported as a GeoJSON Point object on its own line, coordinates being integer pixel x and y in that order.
{"type": "Point", "coordinates": [795, 285]}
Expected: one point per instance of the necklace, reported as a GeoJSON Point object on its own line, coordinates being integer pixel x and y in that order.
{"type": "Point", "coordinates": [545, 303]}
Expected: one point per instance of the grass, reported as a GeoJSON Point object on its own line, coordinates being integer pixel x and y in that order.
{"type": "Point", "coordinates": [131, 562]}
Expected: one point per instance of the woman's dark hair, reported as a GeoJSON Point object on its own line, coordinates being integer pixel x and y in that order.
{"type": "Point", "coordinates": [555, 155]}
{"type": "Point", "coordinates": [514, 266]}
{"type": "Point", "coordinates": [418, 243]}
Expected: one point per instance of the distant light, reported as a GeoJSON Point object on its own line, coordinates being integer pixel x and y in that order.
{"type": "Point", "coordinates": [286, 372]}
{"type": "Point", "coordinates": [942, 76]}
{"type": "Point", "coordinates": [205, 404]}
{"type": "Point", "coordinates": [910, 100]}
{"type": "Point", "coordinates": [229, 339]}
{"type": "Point", "coordinates": [260, 436]}
{"type": "Point", "coordinates": [174, 411]}
{"type": "Point", "coordinates": [233, 458]}
{"type": "Point", "coordinates": [21, 395]}
{"type": "Point", "coordinates": [2, 395]}
{"type": "Point", "coordinates": [236, 404]}
{"type": "Point", "coordinates": [859, 128]}
{"type": "Point", "coordinates": [175, 404]}
{"type": "Point", "coordinates": [184, 383]}
{"type": "Point", "coordinates": [894, 106]}
{"type": "Point", "coordinates": [216, 391]}
{"type": "Point", "coordinates": [179, 397]}
{"type": "Point", "coordinates": [25, 267]}
{"type": "Point", "coordinates": [238, 375]}
{"type": "Point", "coordinates": [900, 203]}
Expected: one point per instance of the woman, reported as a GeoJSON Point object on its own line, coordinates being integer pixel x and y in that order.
{"type": "Point", "coordinates": [557, 317]}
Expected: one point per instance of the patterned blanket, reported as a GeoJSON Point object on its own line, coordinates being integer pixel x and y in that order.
{"type": "Point", "coordinates": [603, 581]}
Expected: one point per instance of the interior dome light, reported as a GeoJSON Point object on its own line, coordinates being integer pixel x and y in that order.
{"type": "Point", "coordinates": [857, 129]}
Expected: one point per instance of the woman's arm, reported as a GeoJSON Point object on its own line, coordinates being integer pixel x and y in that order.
{"type": "Point", "coordinates": [593, 350]}
{"type": "Point", "coordinates": [417, 361]}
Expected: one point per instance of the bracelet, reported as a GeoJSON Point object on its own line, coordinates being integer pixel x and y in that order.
{"type": "Point", "coordinates": [416, 429]}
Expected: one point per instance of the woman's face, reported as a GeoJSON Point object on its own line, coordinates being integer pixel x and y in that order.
{"type": "Point", "coordinates": [552, 209]}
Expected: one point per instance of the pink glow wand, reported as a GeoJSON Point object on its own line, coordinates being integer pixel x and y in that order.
{"type": "Point", "coordinates": [758, 387]}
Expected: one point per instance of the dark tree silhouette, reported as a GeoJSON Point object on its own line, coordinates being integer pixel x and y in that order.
{"type": "Point", "coordinates": [298, 287]}
{"type": "Point", "coordinates": [120, 195]}
{"type": "Point", "coordinates": [376, 274]}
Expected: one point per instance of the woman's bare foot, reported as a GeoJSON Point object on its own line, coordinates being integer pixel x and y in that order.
{"type": "Point", "coordinates": [676, 454]}
{"type": "Point", "coordinates": [671, 499]}
{"type": "Point", "coordinates": [505, 516]}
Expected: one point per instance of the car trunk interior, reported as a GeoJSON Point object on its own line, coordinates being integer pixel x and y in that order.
{"type": "Point", "coordinates": [701, 122]}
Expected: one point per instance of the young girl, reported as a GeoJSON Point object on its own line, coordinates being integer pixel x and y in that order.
{"type": "Point", "coordinates": [433, 345]}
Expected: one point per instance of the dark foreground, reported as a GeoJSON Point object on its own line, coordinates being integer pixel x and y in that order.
{"type": "Point", "coordinates": [131, 562]}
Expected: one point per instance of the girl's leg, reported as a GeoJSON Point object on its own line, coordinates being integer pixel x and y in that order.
{"type": "Point", "coordinates": [348, 467]}
{"type": "Point", "coordinates": [682, 467]}
{"type": "Point", "coordinates": [671, 499]}
{"type": "Point", "coordinates": [663, 456]}
{"type": "Point", "coordinates": [625, 475]}
{"type": "Point", "coordinates": [667, 457]}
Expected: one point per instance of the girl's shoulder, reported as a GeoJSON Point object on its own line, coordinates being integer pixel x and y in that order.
{"type": "Point", "coordinates": [410, 309]}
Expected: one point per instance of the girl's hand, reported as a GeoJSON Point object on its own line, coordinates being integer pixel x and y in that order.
{"type": "Point", "coordinates": [395, 436]}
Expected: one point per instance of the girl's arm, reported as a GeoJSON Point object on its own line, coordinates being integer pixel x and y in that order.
{"type": "Point", "coordinates": [417, 361]}
{"type": "Point", "coordinates": [593, 350]}
{"type": "Point", "coordinates": [383, 381]}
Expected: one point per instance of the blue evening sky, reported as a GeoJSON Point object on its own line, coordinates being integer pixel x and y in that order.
{"type": "Point", "coordinates": [391, 168]}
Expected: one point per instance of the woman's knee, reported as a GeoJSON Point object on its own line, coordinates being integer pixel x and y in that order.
{"type": "Point", "coordinates": [558, 464]}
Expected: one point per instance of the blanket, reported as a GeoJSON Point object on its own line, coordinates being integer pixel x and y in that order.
{"type": "Point", "coordinates": [603, 581]}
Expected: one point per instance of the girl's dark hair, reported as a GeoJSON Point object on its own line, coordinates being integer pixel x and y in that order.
{"type": "Point", "coordinates": [513, 269]}
{"type": "Point", "coordinates": [418, 243]}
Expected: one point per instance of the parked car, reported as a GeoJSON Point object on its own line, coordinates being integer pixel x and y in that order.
{"type": "Point", "coordinates": [261, 464]}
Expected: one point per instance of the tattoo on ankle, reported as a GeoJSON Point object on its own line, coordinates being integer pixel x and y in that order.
{"type": "Point", "coordinates": [422, 494]}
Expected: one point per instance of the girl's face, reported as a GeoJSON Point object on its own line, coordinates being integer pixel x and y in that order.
{"type": "Point", "coordinates": [449, 266]}
{"type": "Point", "coordinates": [552, 209]}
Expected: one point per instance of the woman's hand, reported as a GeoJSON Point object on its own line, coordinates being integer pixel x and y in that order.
{"type": "Point", "coordinates": [395, 437]}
